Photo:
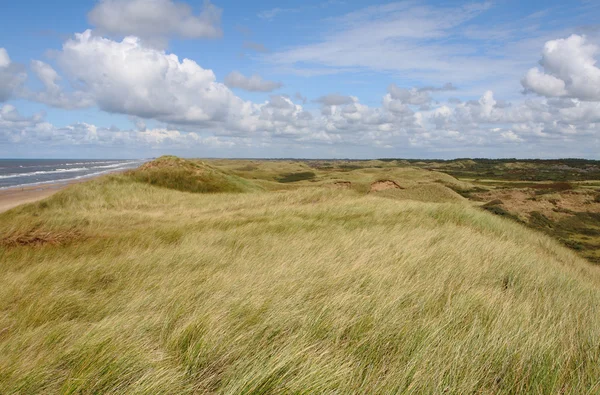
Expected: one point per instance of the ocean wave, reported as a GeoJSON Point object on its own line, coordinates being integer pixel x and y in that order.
{"type": "Point", "coordinates": [68, 164]}
{"type": "Point", "coordinates": [65, 180]}
{"type": "Point", "coordinates": [102, 162]}
{"type": "Point", "coordinates": [37, 173]}
{"type": "Point", "coordinates": [112, 165]}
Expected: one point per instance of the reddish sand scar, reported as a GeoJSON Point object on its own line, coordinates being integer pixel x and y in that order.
{"type": "Point", "coordinates": [384, 185]}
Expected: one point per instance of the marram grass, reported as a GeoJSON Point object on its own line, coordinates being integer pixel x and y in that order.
{"type": "Point", "coordinates": [117, 286]}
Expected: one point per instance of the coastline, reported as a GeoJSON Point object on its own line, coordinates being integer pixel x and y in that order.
{"type": "Point", "coordinates": [15, 196]}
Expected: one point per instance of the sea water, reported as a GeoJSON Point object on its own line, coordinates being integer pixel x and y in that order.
{"type": "Point", "coordinates": [29, 172]}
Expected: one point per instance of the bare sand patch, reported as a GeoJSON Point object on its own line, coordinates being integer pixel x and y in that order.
{"type": "Point", "coordinates": [383, 185]}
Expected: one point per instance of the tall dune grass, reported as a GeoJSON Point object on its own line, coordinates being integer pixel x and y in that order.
{"type": "Point", "coordinates": [140, 289]}
{"type": "Point", "coordinates": [189, 176]}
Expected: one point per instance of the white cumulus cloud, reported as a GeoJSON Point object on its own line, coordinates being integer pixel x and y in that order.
{"type": "Point", "coordinates": [335, 99]}
{"type": "Point", "coordinates": [12, 76]}
{"type": "Point", "coordinates": [129, 78]}
{"type": "Point", "coordinates": [254, 83]}
{"type": "Point", "coordinates": [569, 69]}
{"type": "Point", "coordinates": [409, 96]}
{"type": "Point", "coordinates": [155, 21]}
{"type": "Point", "coordinates": [53, 94]}
{"type": "Point", "coordinates": [4, 58]}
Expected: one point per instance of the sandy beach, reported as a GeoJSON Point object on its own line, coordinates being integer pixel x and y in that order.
{"type": "Point", "coordinates": [13, 197]}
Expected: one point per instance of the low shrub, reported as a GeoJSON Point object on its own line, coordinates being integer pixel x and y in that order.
{"type": "Point", "coordinates": [294, 177]}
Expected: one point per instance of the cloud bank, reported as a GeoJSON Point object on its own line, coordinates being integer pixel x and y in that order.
{"type": "Point", "coordinates": [195, 111]}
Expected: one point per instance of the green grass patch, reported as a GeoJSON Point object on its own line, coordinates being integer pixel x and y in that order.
{"type": "Point", "coordinates": [189, 176]}
{"type": "Point", "coordinates": [295, 177]}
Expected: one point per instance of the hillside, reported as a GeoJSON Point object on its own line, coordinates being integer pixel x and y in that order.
{"type": "Point", "coordinates": [188, 176]}
{"type": "Point", "coordinates": [338, 280]}
{"type": "Point", "coordinates": [559, 197]}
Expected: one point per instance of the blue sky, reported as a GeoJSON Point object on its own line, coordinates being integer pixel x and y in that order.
{"type": "Point", "coordinates": [344, 79]}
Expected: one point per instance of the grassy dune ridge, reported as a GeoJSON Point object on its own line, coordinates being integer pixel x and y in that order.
{"type": "Point", "coordinates": [117, 285]}
{"type": "Point", "coordinates": [189, 176]}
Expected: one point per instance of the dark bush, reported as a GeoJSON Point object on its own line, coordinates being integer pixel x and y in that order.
{"type": "Point", "coordinates": [495, 202]}
{"type": "Point", "coordinates": [542, 189]}
{"type": "Point", "coordinates": [294, 177]}
{"type": "Point", "coordinates": [539, 220]}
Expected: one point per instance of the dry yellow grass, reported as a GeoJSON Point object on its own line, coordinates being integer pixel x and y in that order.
{"type": "Point", "coordinates": [302, 291]}
{"type": "Point", "coordinates": [430, 192]}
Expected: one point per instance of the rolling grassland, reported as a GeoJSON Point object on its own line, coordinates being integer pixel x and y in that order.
{"type": "Point", "coordinates": [244, 277]}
